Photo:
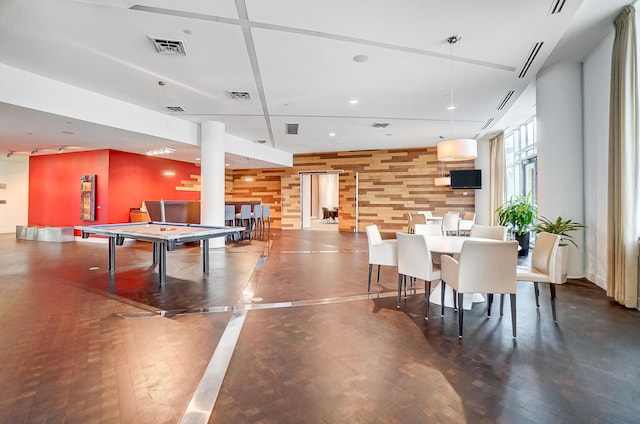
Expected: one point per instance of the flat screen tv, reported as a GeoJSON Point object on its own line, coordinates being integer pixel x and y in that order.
{"type": "Point", "coordinates": [465, 178]}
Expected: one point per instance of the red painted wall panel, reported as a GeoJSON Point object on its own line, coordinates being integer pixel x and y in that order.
{"type": "Point", "coordinates": [54, 187]}
{"type": "Point", "coordinates": [124, 180]}
{"type": "Point", "coordinates": [134, 178]}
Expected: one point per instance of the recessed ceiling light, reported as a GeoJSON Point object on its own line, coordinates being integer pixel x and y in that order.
{"type": "Point", "coordinates": [452, 107]}
{"type": "Point", "coordinates": [353, 101]}
{"type": "Point", "coordinates": [169, 173]}
{"type": "Point", "coordinates": [360, 58]}
{"type": "Point", "coordinates": [332, 134]}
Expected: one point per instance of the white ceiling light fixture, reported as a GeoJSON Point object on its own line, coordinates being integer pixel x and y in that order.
{"type": "Point", "coordinates": [455, 149]}
{"type": "Point", "coordinates": [163, 151]}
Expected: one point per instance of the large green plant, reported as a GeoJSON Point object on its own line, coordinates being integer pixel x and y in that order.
{"type": "Point", "coordinates": [518, 214]}
{"type": "Point", "coordinates": [560, 226]}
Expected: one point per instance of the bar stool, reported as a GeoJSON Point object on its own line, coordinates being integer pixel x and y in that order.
{"type": "Point", "coordinates": [257, 219]}
{"type": "Point", "coordinates": [243, 218]}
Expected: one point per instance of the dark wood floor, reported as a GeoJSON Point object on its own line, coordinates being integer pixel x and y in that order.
{"type": "Point", "coordinates": [79, 346]}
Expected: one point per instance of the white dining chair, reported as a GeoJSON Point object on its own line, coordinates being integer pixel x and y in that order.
{"type": "Point", "coordinates": [256, 218]}
{"type": "Point", "coordinates": [381, 252]}
{"type": "Point", "coordinates": [494, 232]}
{"type": "Point", "coordinates": [450, 222]}
{"type": "Point", "coordinates": [542, 267]}
{"type": "Point", "coordinates": [414, 261]}
{"type": "Point", "coordinates": [483, 267]}
{"type": "Point", "coordinates": [465, 224]}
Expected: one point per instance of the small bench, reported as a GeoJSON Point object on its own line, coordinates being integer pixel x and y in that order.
{"type": "Point", "coordinates": [56, 234]}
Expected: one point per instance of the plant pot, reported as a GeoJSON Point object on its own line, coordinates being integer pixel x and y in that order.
{"type": "Point", "coordinates": [523, 241]}
{"type": "Point", "coordinates": [561, 266]}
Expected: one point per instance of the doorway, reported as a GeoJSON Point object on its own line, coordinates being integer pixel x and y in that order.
{"type": "Point", "coordinates": [319, 200]}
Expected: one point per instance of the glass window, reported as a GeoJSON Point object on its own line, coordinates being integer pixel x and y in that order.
{"type": "Point", "coordinates": [521, 160]}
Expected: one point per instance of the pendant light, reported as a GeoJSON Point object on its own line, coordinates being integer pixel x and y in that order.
{"type": "Point", "coordinates": [455, 149]}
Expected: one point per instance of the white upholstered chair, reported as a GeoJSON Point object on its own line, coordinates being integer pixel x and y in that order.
{"type": "Point", "coordinates": [415, 218]}
{"type": "Point", "coordinates": [414, 261]}
{"type": "Point", "coordinates": [483, 267]}
{"type": "Point", "coordinates": [381, 252]}
{"type": "Point", "coordinates": [495, 232]}
{"type": "Point", "coordinates": [465, 224]}
{"type": "Point", "coordinates": [450, 222]}
{"type": "Point", "coordinates": [542, 267]}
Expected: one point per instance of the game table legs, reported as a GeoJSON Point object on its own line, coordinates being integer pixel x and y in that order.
{"type": "Point", "coordinates": [205, 256]}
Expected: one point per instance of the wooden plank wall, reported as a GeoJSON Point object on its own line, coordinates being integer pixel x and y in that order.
{"type": "Point", "coordinates": [391, 183]}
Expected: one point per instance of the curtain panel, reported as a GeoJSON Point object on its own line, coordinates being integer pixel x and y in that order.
{"type": "Point", "coordinates": [624, 181]}
{"type": "Point", "coordinates": [497, 172]}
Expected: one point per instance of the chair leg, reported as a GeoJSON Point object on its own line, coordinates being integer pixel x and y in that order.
{"type": "Point", "coordinates": [405, 287]}
{"type": "Point", "coordinates": [399, 289]}
{"type": "Point", "coordinates": [369, 283]}
{"type": "Point", "coordinates": [460, 315]}
{"type": "Point", "coordinates": [512, 300]}
{"type": "Point", "coordinates": [536, 289]}
{"type": "Point", "coordinates": [501, 303]}
{"type": "Point", "coordinates": [378, 274]}
{"type": "Point", "coordinates": [427, 289]}
{"type": "Point", "coordinates": [443, 287]}
{"type": "Point", "coordinates": [552, 289]}
{"type": "Point", "coordinates": [455, 300]}
{"type": "Point", "coordinates": [489, 302]}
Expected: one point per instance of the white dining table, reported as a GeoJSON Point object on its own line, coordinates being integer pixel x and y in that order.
{"type": "Point", "coordinates": [452, 245]}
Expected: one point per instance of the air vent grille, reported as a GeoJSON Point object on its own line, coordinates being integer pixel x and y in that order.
{"type": "Point", "coordinates": [261, 141]}
{"type": "Point", "coordinates": [175, 108]}
{"type": "Point", "coordinates": [380, 125]}
{"type": "Point", "coordinates": [506, 99]}
{"type": "Point", "coordinates": [488, 123]}
{"type": "Point", "coordinates": [292, 129]}
{"type": "Point", "coordinates": [168, 47]}
{"type": "Point", "coordinates": [240, 95]}
{"type": "Point", "coordinates": [556, 7]}
{"type": "Point", "coordinates": [532, 55]}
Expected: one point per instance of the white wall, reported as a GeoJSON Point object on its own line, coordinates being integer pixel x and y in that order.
{"type": "Point", "coordinates": [560, 150]}
{"type": "Point", "coordinates": [14, 172]}
{"type": "Point", "coordinates": [596, 76]}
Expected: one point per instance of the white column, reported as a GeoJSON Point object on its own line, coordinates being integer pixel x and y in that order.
{"type": "Point", "coordinates": [561, 151]}
{"type": "Point", "coordinates": [212, 168]}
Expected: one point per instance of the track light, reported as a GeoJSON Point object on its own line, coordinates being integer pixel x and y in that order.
{"type": "Point", "coordinates": [10, 154]}
{"type": "Point", "coordinates": [61, 149]}
{"type": "Point", "coordinates": [34, 151]}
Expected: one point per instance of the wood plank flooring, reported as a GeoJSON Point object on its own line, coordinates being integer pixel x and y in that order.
{"type": "Point", "coordinates": [79, 346]}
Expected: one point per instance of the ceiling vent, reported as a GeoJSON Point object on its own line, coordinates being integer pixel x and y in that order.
{"type": "Point", "coordinates": [532, 55]}
{"type": "Point", "coordinates": [175, 108]}
{"type": "Point", "coordinates": [506, 99]}
{"type": "Point", "coordinates": [261, 141]}
{"type": "Point", "coordinates": [556, 7]}
{"type": "Point", "coordinates": [169, 47]}
{"type": "Point", "coordinates": [240, 95]}
{"type": "Point", "coordinates": [292, 129]}
{"type": "Point", "coordinates": [488, 123]}
{"type": "Point", "coordinates": [380, 125]}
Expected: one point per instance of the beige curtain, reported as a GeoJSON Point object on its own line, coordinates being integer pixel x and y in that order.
{"type": "Point", "coordinates": [624, 178]}
{"type": "Point", "coordinates": [497, 183]}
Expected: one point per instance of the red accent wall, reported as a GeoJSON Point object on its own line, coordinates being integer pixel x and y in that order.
{"type": "Point", "coordinates": [134, 178]}
{"type": "Point", "coordinates": [124, 180]}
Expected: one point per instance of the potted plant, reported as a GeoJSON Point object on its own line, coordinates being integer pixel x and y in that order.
{"type": "Point", "coordinates": [519, 215]}
{"type": "Point", "coordinates": [562, 227]}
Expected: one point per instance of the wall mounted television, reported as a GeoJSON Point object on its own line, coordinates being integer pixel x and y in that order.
{"type": "Point", "coordinates": [466, 178]}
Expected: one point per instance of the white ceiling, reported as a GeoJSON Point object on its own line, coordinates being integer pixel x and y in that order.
{"type": "Point", "coordinates": [295, 58]}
